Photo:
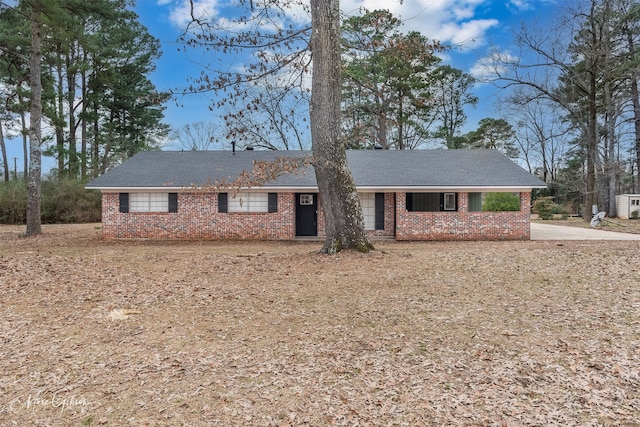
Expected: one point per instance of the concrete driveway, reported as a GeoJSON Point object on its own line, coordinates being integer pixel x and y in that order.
{"type": "Point", "coordinates": [561, 232]}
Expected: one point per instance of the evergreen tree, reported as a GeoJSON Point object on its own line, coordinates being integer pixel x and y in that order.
{"type": "Point", "coordinates": [451, 92]}
{"type": "Point", "coordinates": [387, 98]}
{"type": "Point", "coordinates": [494, 134]}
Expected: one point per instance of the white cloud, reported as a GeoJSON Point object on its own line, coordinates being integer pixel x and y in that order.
{"type": "Point", "coordinates": [449, 21]}
{"type": "Point", "coordinates": [181, 12]}
{"type": "Point", "coordinates": [467, 34]}
{"type": "Point", "coordinates": [486, 68]}
{"type": "Point", "coordinates": [522, 4]}
{"type": "Point", "coordinates": [217, 12]}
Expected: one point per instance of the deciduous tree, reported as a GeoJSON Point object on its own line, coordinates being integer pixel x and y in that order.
{"type": "Point", "coordinates": [197, 136]}
{"type": "Point", "coordinates": [275, 43]}
{"type": "Point", "coordinates": [568, 67]}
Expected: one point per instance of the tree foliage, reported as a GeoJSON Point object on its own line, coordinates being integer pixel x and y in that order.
{"type": "Point", "coordinates": [96, 93]}
{"type": "Point", "coordinates": [387, 97]}
{"type": "Point", "coordinates": [451, 93]}
{"type": "Point", "coordinates": [277, 41]}
{"type": "Point", "coordinates": [501, 202]}
{"type": "Point", "coordinates": [494, 134]}
{"type": "Point", "coordinates": [587, 65]}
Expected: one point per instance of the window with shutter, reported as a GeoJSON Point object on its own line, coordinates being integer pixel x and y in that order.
{"type": "Point", "coordinates": [273, 202]}
{"type": "Point", "coordinates": [222, 202]}
{"type": "Point", "coordinates": [379, 211]}
{"type": "Point", "coordinates": [124, 202]}
{"type": "Point", "coordinates": [173, 202]}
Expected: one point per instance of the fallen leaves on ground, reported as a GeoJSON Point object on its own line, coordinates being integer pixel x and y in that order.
{"type": "Point", "coordinates": [136, 333]}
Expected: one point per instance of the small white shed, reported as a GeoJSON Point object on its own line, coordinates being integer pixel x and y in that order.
{"type": "Point", "coordinates": [626, 204]}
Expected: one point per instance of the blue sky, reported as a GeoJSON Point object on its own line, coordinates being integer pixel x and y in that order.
{"type": "Point", "coordinates": [472, 26]}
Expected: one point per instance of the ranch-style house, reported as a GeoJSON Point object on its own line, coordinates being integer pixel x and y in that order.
{"type": "Point", "coordinates": [405, 195]}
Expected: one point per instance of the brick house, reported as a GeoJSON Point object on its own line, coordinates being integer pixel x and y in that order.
{"type": "Point", "coordinates": [406, 195]}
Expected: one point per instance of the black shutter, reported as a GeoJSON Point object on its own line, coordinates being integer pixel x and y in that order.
{"type": "Point", "coordinates": [222, 202]}
{"type": "Point", "coordinates": [379, 218]}
{"type": "Point", "coordinates": [273, 202]}
{"type": "Point", "coordinates": [173, 202]}
{"type": "Point", "coordinates": [124, 202]}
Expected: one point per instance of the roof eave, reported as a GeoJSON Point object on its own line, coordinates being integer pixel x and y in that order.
{"type": "Point", "coordinates": [364, 188]}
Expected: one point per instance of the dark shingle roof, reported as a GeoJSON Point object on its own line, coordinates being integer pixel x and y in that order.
{"type": "Point", "coordinates": [370, 168]}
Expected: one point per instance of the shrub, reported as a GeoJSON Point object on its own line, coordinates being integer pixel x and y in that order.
{"type": "Point", "coordinates": [66, 201]}
{"type": "Point", "coordinates": [543, 206]}
{"type": "Point", "coordinates": [501, 202]}
{"type": "Point", "coordinates": [63, 201]}
{"type": "Point", "coordinates": [635, 214]}
{"type": "Point", "coordinates": [13, 202]}
{"type": "Point", "coordinates": [561, 210]}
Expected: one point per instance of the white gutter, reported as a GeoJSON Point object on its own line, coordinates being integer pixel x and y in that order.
{"type": "Point", "coordinates": [364, 189]}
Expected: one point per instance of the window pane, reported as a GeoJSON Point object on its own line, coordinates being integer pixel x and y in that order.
{"type": "Point", "coordinates": [449, 201]}
{"type": "Point", "coordinates": [148, 202]}
{"type": "Point", "coordinates": [249, 202]}
{"type": "Point", "coordinates": [475, 202]}
{"type": "Point", "coordinates": [159, 202]}
{"type": "Point", "coordinates": [306, 199]}
{"type": "Point", "coordinates": [139, 202]}
{"type": "Point", "coordinates": [424, 202]}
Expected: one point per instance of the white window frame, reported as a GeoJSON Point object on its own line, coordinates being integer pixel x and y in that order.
{"type": "Point", "coordinates": [635, 202]}
{"type": "Point", "coordinates": [306, 199]}
{"type": "Point", "coordinates": [248, 202]}
{"type": "Point", "coordinates": [368, 203]}
{"type": "Point", "coordinates": [448, 197]}
{"type": "Point", "coordinates": [148, 202]}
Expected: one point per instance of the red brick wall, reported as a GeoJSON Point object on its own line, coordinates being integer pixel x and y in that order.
{"type": "Point", "coordinates": [389, 218]}
{"type": "Point", "coordinates": [462, 224]}
{"type": "Point", "coordinates": [198, 218]}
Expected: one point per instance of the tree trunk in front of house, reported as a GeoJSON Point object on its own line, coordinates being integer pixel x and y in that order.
{"type": "Point", "coordinates": [344, 221]}
{"type": "Point", "coordinates": [35, 158]}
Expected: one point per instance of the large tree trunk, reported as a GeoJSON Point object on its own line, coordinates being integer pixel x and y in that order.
{"type": "Point", "coordinates": [84, 131]}
{"type": "Point", "coordinates": [60, 120]}
{"type": "Point", "coordinates": [592, 147]}
{"type": "Point", "coordinates": [635, 99]}
{"type": "Point", "coordinates": [35, 131]}
{"type": "Point", "coordinates": [592, 122]}
{"type": "Point", "coordinates": [635, 96]}
{"type": "Point", "coordinates": [71, 106]}
{"type": "Point", "coordinates": [341, 206]}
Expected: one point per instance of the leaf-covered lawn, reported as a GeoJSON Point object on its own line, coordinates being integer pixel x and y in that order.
{"type": "Point", "coordinates": [137, 333]}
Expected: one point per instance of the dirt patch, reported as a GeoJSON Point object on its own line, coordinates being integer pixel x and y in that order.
{"type": "Point", "coordinates": [139, 333]}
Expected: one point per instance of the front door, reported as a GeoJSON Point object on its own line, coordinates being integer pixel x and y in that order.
{"type": "Point", "coordinates": [306, 215]}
